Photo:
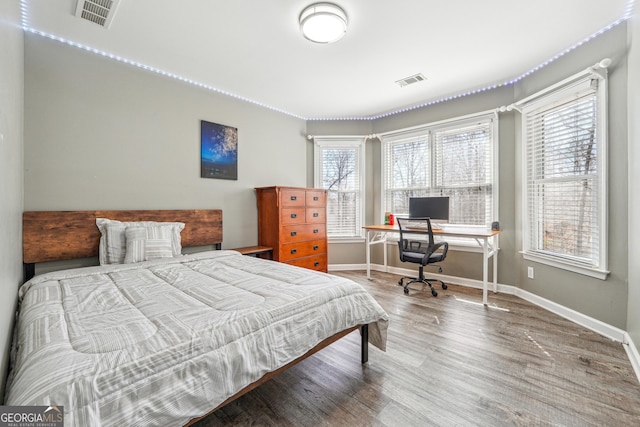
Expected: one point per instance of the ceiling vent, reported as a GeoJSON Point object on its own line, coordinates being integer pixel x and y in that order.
{"type": "Point", "coordinates": [99, 12]}
{"type": "Point", "coordinates": [410, 80]}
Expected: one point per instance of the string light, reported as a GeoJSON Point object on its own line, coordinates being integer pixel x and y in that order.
{"type": "Point", "coordinates": [24, 10]}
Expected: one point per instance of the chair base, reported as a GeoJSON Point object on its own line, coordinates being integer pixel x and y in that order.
{"type": "Point", "coordinates": [423, 280]}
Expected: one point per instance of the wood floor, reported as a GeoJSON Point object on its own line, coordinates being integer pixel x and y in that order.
{"type": "Point", "coordinates": [450, 361]}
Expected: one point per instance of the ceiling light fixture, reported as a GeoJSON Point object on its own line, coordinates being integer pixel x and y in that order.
{"type": "Point", "coordinates": [323, 23]}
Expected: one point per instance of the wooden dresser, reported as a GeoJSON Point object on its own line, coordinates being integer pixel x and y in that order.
{"type": "Point", "coordinates": [293, 221]}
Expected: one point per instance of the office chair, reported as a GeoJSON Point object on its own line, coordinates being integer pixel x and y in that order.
{"type": "Point", "coordinates": [420, 252]}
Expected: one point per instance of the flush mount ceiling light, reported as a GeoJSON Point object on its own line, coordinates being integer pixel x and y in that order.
{"type": "Point", "coordinates": [323, 23]}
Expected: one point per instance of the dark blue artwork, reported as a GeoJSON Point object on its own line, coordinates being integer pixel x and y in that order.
{"type": "Point", "coordinates": [219, 151]}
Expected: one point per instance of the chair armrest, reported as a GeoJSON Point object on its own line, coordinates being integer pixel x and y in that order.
{"type": "Point", "coordinates": [439, 245]}
{"type": "Point", "coordinates": [414, 245]}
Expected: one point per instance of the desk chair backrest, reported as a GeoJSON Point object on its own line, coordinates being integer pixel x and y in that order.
{"type": "Point", "coordinates": [419, 252]}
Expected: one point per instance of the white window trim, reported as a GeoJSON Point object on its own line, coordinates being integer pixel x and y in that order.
{"type": "Point", "coordinates": [343, 141]}
{"type": "Point", "coordinates": [427, 129]}
{"type": "Point", "coordinates": [547, 96]}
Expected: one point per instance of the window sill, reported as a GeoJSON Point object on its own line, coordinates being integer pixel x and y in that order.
{"type": "Point", "coordinates": [332, 240]}
{"type": "Point", "coordinates": [575, 268]}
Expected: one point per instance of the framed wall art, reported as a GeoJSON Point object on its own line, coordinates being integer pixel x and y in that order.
{"type": "Point", "coordinates": [218, 151]}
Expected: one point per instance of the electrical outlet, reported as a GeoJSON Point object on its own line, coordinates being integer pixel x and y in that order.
{"type": "Point", "coordinates": [530, 272]}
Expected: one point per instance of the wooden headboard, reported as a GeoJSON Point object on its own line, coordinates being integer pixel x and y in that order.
{"type": "Point", "coordinates": [60, 235]}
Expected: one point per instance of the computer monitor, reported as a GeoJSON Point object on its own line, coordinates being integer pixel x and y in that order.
{"type": "Point", "coordinates": [436, 208]}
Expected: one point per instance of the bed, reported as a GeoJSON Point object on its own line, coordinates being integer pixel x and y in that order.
{"type": "Point", "coordinates": [166, 341]}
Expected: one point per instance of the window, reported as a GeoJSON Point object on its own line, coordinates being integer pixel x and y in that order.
{"type": "Point", "coordinates": [565, 182]}
{"type": "Point", "coordinates": [454, 158]}
{"type": "Point", "coordinates": [340, 170]}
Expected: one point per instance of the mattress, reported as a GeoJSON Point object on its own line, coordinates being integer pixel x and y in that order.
{"type": "Point", "coordinates": [164, 341]}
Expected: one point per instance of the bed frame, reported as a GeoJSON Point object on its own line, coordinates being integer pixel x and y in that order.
{"type": "Point", "coordinates": [64, 235]}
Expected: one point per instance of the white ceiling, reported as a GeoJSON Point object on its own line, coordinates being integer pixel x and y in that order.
{"type": "Point", "coordinates": [253, 49]}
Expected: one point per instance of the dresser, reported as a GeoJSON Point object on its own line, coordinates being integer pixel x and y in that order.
{"type": "Point", "coordinates": [293, 221]}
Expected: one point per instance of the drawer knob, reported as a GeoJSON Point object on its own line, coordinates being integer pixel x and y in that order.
{"type": "Point", "coordinates": [294, 198]}
{"type": "Point", "coordinates": [294, 215]}
{"type": "Point", "coordinates": [293, 233]}
{"type": "Point", "coordinates": [294, 251]}
{"type": "Point", "coordinates": [315, 231]}
{"type": "Point", "coordinates": [315, 198]}
{"type": "Point", "coordinates": [315, 247]}
{"type": "Point", "coordinates": [315, 214]}
{"type": "Point", "coordinates": [315, 264]}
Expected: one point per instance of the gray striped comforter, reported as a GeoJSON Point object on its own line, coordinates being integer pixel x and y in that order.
{"type": "Point", "coordinates": [161, 342]}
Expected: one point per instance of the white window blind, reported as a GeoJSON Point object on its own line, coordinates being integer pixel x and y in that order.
{"type": "Point", "coordinates": [464, 172]}
{"type": "Point", "coordinates": [339, 170]}
{"type": "Point", "coordinates": [565, 203]}
{"type": "Point", "coordinates": [406, 172]}
{"type": "Point", "coordinates": [454, 159]}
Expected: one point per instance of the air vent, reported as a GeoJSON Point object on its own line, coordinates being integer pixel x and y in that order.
{"type": "Point", "coordinates": [99, 12]}
{"type": "Point", "coordinates": [410, 80]}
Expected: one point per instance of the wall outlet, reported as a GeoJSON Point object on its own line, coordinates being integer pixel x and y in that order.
{"type": "Point", "coordinates": [530, 272]}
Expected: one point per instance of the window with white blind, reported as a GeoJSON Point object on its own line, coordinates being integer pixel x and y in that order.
{"type": "Point", "coordinates": [455, 159]}
{"type": "Point", "coordinates": [339, 168]}
{"type": "Point", "coordinates": [564, 132]}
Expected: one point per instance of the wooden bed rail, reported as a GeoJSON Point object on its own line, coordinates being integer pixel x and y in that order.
{"type": "Point", "coordinates": [364, 343]}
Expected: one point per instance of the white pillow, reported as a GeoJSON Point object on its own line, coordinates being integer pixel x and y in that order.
{"type": "Point", "coordinates": [146, 243]}
{"type": "Point", "coordinates": [113, 240]}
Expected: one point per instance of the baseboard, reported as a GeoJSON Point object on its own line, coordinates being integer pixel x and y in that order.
{"type": "Point", "coordinates": [632, 352]}
{"type": "Point", "coordinates": [595, 325]}
{"type": "Point", "coordinates": [604, 329]}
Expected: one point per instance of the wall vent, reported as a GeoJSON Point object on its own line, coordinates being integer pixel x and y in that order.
{"type": "Point", "coordinates": [410, 80]}
{"type": "Point", "coordinates": [99, 12]}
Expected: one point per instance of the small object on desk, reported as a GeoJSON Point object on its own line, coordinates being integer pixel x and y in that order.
{"type": "Point", "coordinates": [495, 226]}
{"type": "Point", "coordinates": [392, 219]}
{"type": "Point", "coordinates": [386, 218]}
{"type": "Point", "coordinates": [256, 250]}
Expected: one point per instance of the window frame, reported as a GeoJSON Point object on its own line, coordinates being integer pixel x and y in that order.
{"type": "Point", "coordinates": [338, 142]}
{"type": "Point", "coordinates": [546, 98]}
{"type": "Point", "coordinates": [428, 132]}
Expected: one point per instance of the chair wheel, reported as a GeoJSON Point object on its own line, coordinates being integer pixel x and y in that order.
{"type": "Point", "coordinates": [434, 293]}
{"type": "Point", "coordinates": [400, 282]}
{"type": "Point", "coordinates": [406, 291]}
{"type": "Point", "coordinates": [444, 286]}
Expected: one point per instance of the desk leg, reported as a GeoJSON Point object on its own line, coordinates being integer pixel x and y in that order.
{"type": "Point", "coordinates": [485, 269]}
{"type": "Point", "coordinates": [368, 251]}
{"type": "Point", "coordinates": [495, 264]}
{"type": "Point", "coordinates": [384, 252]}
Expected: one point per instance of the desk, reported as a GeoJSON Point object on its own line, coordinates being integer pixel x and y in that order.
{"type": "Point", "coordinates": [485, 238]}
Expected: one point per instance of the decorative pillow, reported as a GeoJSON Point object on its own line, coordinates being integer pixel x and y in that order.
{"type": "Point", "coordinates": [146, 243]}
{"type": "Point", "coordinates": [113, 240]}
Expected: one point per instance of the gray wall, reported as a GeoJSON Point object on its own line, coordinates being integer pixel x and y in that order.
{"type": "Point", "coordinates": [100, 134]}
{"type": "Point", "coordinates": [11, 113]}
{"type": "Point", "coordinates": [603, 300]}
{"type": "Point", "coordinates": [633, 91]}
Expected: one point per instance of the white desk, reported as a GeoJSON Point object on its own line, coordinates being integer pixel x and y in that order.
{"type": "Point", "coordinates": [485, 238]}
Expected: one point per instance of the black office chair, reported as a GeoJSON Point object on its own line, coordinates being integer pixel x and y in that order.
{"type": "Point", "coordinates": [420, 252]}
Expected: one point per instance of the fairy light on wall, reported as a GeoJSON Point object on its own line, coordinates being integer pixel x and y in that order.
{"type": "Point", "coordinates": [24, 9]}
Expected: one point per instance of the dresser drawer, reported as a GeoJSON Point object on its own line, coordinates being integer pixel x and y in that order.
{"type": "Point", "coordinates": [293, 216]}
{"type": "Point", "coordinates": [316, 214]}
{"type": "Point", "coordinates": [302, 232]}
{"type": "Point", "coordinates": [292, 198]}
{"type": "Point", "coordinates": [292, 251]}
{"type": "Point", "coordinates": [315, 198]}
{"type": "Point", "coordinates": [318, 262]}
